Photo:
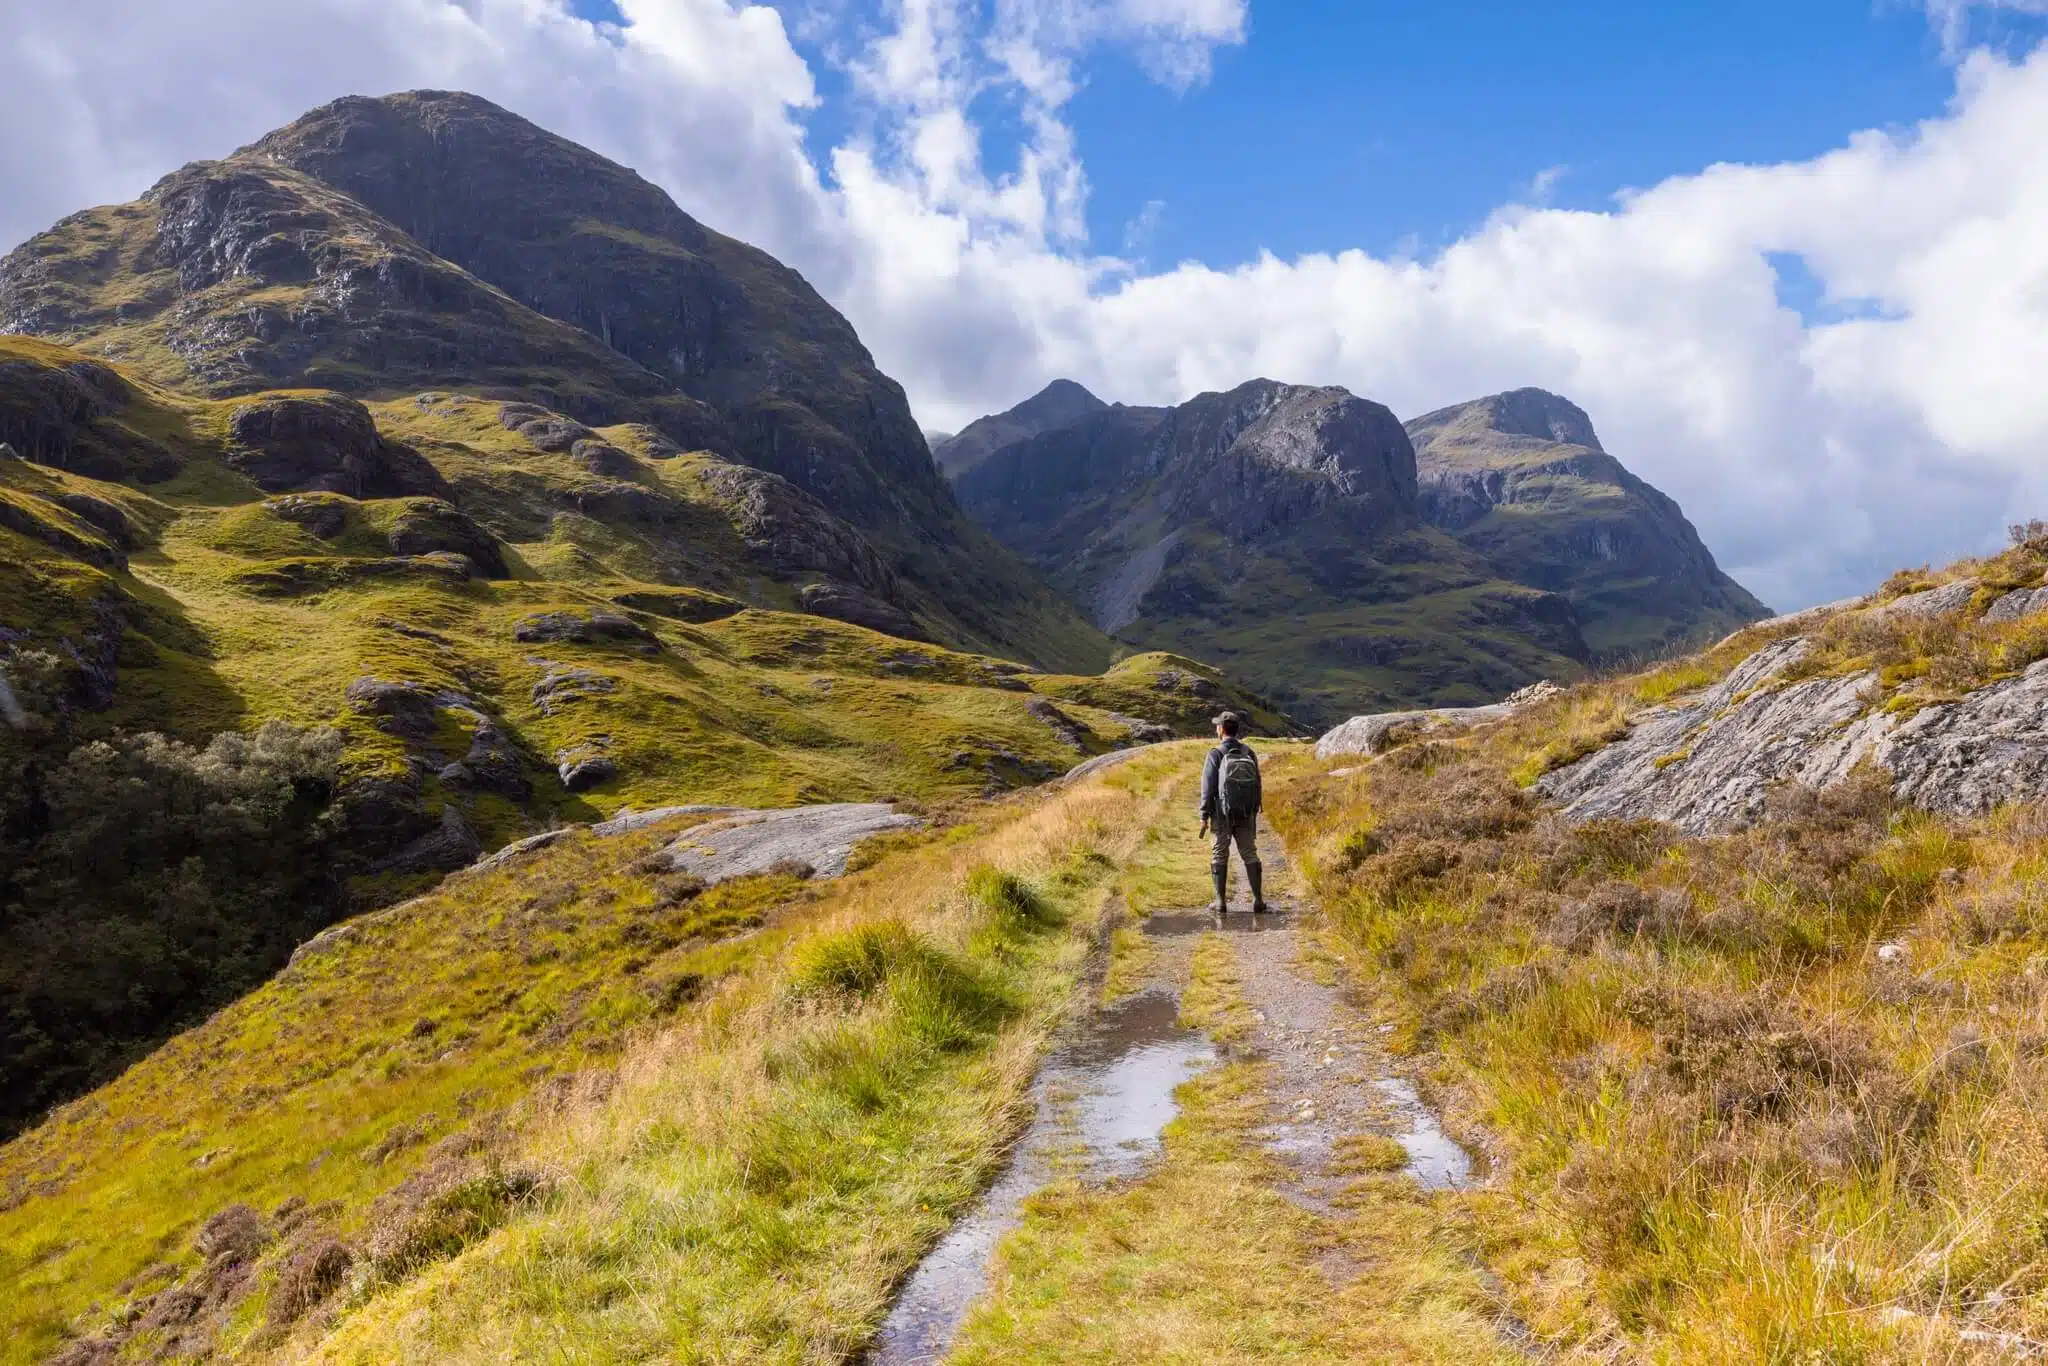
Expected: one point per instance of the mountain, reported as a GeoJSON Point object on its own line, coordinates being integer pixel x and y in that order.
{"type": "Point", "coordinates": [1522, 479]}
{"type": "Point", "coordinates": [329, 565]}
{"type": "Point", "coordinates": [1061, 403]}
{"type": "Point", "coordinates": [430, 242]}
{"type": "Point", "coordinates": [1276, 529]}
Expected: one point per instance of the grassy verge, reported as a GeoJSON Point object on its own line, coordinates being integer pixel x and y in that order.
{"type": "Point", "coordinates": [1204, 1260]}
{"type": "Point", "coordinates": [629, 1131]}
{"type": "Point", "coordinates": [1724, 1124]}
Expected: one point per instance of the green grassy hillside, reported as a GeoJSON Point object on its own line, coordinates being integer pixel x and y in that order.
{"type": "Point", "coordinates": [493, 639]}
{"type": "Point", "coordinates": [1768, 1095]}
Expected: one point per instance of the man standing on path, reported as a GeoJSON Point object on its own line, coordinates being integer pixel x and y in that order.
{"type": "Point", "coordinates": [1231, 797]}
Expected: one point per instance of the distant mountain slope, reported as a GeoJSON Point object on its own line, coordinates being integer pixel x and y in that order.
{"type": "Point", "coordinates": [1522, 479]}
{"type": "Point", "coordinates": [1061, 403]}
{"type": "Point", "coordinates": [433, 241]}
{"type": "Point", "coordinates": [1274, 529]}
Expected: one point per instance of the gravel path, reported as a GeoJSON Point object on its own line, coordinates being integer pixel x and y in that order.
{"type": "Point", "coordinates": [1332, 1078]}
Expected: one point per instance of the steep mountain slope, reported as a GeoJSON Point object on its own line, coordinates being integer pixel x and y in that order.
{"type": "Point", "coordinates": [1522, 479]}
{"type": "Point", "coordinates": [465, 620]}
{"type": "Point", "coordinates": [434, 241]}
{"type": "Point", "coordinates": [1061, 403]}
{"type": "Point", "coordinates": [1274, 528]}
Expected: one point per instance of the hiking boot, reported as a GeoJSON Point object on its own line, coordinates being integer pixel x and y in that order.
{"type": "Point", "coordinates": [1256, 875]}
{"type": "Point", "coordinates": [1222, 901]}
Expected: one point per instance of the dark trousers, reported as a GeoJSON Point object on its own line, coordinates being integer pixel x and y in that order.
{"type": "Point", "coordinates": [1243, 832]}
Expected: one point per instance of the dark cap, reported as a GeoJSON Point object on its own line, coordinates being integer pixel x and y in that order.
{"type": "Point", "coordinates": [1229, 719]}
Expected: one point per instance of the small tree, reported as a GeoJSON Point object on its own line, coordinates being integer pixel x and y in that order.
{"type": "Point", "coordinates": [2032, 533]}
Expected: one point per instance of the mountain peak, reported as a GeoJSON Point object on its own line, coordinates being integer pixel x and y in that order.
{"type": "Point", "coordinates": [1534, 413]}
{"type": "Point", "coordinates": [1065, 394]}
{"type": "Point", "coordinates": [1061, 403]}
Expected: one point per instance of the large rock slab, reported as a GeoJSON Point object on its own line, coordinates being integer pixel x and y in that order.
{"type": "Point", "coordinates": [1376, 733]}
{"type": "Point", "coordinates": [1946, 600]}
{"type": "Point", "coordinates": [820, 837]}
{"type": "Point", "coordinates": [1706, 766]}
{"type": "Point", "coordinates": [2021, 602]}
{"type": "Point", "coordinates": [1971, 756]}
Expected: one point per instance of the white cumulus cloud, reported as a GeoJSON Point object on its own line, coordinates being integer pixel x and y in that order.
{"type": "Point", "coordinates": [1904, 420]}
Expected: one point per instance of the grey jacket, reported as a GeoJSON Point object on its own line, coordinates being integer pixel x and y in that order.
{"type": "Point", "coordinates": [1212, 800]}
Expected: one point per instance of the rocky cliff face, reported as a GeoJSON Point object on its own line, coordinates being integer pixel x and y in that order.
{"type": "Point", "coordinates": [433, 241]}
{"type": "Point", "coordinates": [1522, 479]}
{"type": "Point", "coordinates": [1275, 527]}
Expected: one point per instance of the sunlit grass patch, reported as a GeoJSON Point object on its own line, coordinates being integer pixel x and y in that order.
{"type": "Point", "coordinates": [1213, 999]}
{"type": "Point", "coordinates": [759, 1172]}
{"type": "Point", "coordinates": [1131, 956]}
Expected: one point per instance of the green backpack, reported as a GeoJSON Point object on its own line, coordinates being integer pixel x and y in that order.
{"type": "Point", "coordinates": [1238, 789]}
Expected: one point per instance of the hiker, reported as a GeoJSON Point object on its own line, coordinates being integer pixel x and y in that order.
{"type": "Point", "coordinates": [1231, 795]}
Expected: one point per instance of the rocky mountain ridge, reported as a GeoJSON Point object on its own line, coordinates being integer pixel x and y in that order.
{"type": "Point", "coordinates": [1522, 479]}
{"type": "Point", "coordinates": [1061, 403]}
{"type": "Point", "coordinates": [1940, 684]}
{"type": "Point", "coordinates": [433, 242]}
{"type": "Point", "coordinates": [1494, 542]}
{"type": "Point", "coordinates": [1276, 527]}
{"type": "Point", "coordinates": [1706, 763]}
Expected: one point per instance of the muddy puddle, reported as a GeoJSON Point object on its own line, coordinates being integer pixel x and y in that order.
{"type": "Point", "coordinates": [1101, 1103]}
{"type": "Point", "coordinates": [1176, 924]}
{"type": "Point", "coordinates": [1434, 1157]}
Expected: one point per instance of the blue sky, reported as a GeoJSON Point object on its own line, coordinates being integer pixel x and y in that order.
{"type": "Point", "coordinates": [1399, 127]}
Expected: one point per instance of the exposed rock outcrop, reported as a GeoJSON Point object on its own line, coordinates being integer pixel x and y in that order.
{"type": "Point", "coordinates": [430, 525]}
{"type": "Point", "coordinates": [586, 763]}
{"type": "Point", "coordinates": [60, 412]}
{"type": "Point", "coordinates": [844, 602]}
{"type": "Point", "coordinates": [692, 605]}
{"type": "Point", "coordinates": [794, 531]}
{"type": "Point", "coordinates": [2020, 602]}
{"type": "Point", "coordinates": [1706, 765]}
{"type": "Point", "coordinates": [577, 629]}
{"type": "Point", "coordinates": [820, 838]}
{"type": "Point", "coordinates": [325, 444]}
{"type": "Point", "coordinates": [1377, 733]}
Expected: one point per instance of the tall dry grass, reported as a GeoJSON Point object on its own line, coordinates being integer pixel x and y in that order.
{"type": "Point", "coordinates": [1779, 1096]}
{"type": "Point", "coordinates": [749, 1184]}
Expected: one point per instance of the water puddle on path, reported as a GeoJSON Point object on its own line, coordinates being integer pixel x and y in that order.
{"type": "Point", "coordinates": [1434, 1157]}
{"type": "Point", "coordinates": [1102, 1101]}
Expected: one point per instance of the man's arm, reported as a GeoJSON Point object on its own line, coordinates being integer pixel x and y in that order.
{"type": "Point", "coordinates": [1208, 787]}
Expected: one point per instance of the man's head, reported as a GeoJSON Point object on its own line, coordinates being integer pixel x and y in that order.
{"type": "Point", "coordinates": [1228, 724]}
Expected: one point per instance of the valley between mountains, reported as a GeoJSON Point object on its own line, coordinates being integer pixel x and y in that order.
{"type": "Point", "coordinates": [541, 818]}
